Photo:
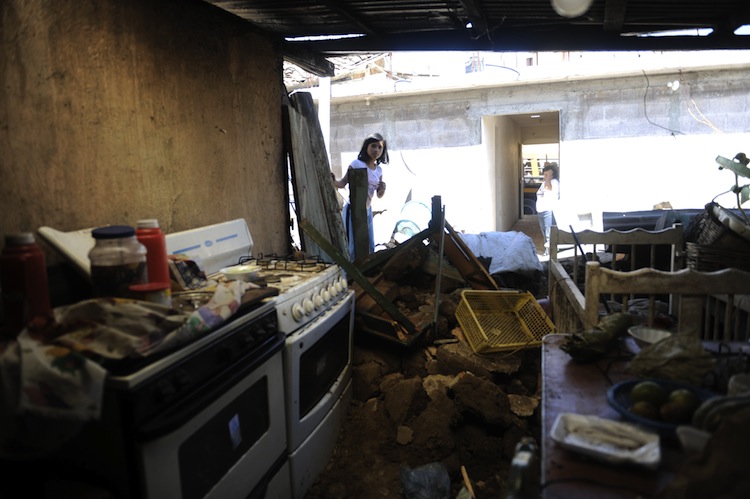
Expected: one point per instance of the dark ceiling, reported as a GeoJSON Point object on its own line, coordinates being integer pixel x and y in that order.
{"type": "Point", "coordinates": [488, 25]}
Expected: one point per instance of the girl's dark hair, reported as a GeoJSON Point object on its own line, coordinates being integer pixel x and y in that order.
{"type": "Point", "coordinates": [555, 171]}
{"type": "Point", "coordinates": [375, 137]}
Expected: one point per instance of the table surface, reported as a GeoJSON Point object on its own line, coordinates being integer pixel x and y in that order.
{"type": "Point", "coordinates": [581, 388]}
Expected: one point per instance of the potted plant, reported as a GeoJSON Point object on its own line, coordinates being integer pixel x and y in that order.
{"type": "Point", "coordinates": [739, 166]}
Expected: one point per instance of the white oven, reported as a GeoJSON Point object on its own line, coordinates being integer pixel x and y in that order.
{"type": "Point", "coordinates": [317, 378]}
{"type": "Point", "coordinates": [315, 311]}
{"type": "Point", "coordinates": [315, 314]}
{"type": "Point", "coordinates": [205, 422]}
{"type": "Point", "coordinates": [222, 450]}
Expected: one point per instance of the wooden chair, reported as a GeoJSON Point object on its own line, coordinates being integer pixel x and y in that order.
{"type": "Point", "coordinates": [705, 302]}
{"type": "Point", "coordinates": [641, 247]}
{"type": "Point", "coordinates": [634, 243]}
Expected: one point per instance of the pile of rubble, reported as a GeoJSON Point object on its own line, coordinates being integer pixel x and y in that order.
{"type": "Point", "coordinates": [437, 404]}
{"type": "Point", "coordinates": [433, 401]}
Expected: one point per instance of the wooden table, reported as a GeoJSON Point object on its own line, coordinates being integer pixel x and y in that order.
{"type": "Point", "coordinates": [568, 386]}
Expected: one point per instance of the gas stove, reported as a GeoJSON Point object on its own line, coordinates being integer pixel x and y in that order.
{"type": "Point", "coordinates": [314, 316]}
{"type": "Point", "coordinates": [307, 287]}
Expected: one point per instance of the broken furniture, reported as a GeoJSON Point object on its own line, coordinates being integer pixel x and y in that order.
{"type": "Point", "coordinates": [704, 302]}
{"type": "Point", "coordinates": [627, 249]}
{"type": "Point", "coordinates": [376, 314]}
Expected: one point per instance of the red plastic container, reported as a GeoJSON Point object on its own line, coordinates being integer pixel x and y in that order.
{"type": "Point", "coordinates": [23, 282]}
{"type": "Point", "coordinates": [151, 236]}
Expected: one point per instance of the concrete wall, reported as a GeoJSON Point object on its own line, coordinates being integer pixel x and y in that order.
{"type": "Point", "coordinates": [507, 172]}
{"type": "Point", "coordinates": [627, 141]}
{"type": "Point", "coordinates": [113, 111]}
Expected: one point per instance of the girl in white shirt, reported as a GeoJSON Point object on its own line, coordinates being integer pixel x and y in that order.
{"type": "Point", "coordinates": [546, 200]}
{"type": "Point", "coordinates": [372, 154]}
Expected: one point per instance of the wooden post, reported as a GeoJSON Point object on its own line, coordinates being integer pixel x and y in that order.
{"type": "Point", "coordinates": [358, 212]}
{"type": "Point", "coordinates": [437, 212]}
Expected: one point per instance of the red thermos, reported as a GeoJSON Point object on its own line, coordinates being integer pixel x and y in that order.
{"type": "Point", "coordinates": [151, 236]}
{"type": "Point", "coordinates": [23, 282]}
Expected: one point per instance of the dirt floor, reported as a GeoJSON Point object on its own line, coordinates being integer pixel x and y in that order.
{"type": "Point", "coordinates": [403, 417]}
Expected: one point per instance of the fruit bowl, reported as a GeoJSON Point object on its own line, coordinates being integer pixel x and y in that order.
{"type": "Point", "coordinates": [645, 335]}
{"type": "Point", "coordinates": [618, 397]}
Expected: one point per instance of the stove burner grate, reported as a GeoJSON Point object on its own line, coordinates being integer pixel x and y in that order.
{"type": "Point", "coordinates": [288, 263]}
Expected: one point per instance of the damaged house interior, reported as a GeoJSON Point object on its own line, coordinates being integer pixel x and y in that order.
{"type": "Point", "coordinates": [188, 313]}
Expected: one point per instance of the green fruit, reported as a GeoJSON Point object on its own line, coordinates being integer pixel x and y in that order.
{"type": "Point", "coordinates": [644, 409]}
{"type": "Point", "coordinates": [648, 391]}
{"type": "Point", "coordinates": [685, 399]}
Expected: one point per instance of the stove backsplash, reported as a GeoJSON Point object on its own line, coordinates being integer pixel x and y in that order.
{"type": "Point", "coordinates": [213, 246]}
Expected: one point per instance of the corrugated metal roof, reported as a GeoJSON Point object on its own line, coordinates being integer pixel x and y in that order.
{"type": "Point", "coordinates": [490, 25]}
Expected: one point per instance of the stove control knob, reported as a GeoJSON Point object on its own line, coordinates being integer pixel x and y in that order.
{"type": "Point", "coordinates": [297, 312]}
{"type": "Point", "coordinates": [333, 290]}
{"type": "Point", "coordinates": [344, 283]}
{"type": "Point", "coordinates": [307, 304]}
{"type": "Point", "coordinates": [318, 300]}
{"type": "Point", "coordinates": [338, 286]}
{"type": "Point", "coordinates": [326, 294]}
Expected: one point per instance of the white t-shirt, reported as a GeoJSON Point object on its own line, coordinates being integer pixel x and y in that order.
{"type": "Point", "coordinates": [547, 200]}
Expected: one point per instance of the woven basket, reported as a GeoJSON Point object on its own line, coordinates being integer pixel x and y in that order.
{"type": "Point", "coordinates": [715, 245]}
{"type": "Point", "coordinates": [496, 321]}
{"type": "Point", "coordinates": [711, 258]}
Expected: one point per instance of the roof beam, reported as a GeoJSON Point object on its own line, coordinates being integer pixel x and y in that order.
{"type": "Point", "coordinates": [556, 39]}
{"type": "Point", "coordinates": [614, 15]}
{"type": "Point", "coordinates": [730, 24]}
{"type": "Point", "coordinates": [335, 6]}
{"type": "Point", "coordinates": [476, 16]}
{"type": "Point", "coordinates": [307, 59]}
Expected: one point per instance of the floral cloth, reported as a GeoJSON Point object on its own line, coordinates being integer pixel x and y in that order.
{"type": "Point", "coordinates": [58, 372]}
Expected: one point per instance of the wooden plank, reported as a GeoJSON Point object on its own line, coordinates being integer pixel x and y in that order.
{"type": "Point", "coordinates": [568, 303]}
{"type": "Point", "coordinates": [691, 287]}
{"type": "Point", "coordinates": [358, 210]}
{"type": "Point", "coordinates": [467, 264]}
{"type": "Point", "coordinates": [685, 281]}
{"type": "Point", "coordinates": [669, 236]}
{"type": "Point", "coordinates": [314, 194]}
{"type": "Point", "coordinates": [386, 329]}
{"type": "Point", "coordinates": [353, 273]}
{"type": "Point", "coordinates": [366, 303]}
{"type": "Point", "coordinates": [380, 257]}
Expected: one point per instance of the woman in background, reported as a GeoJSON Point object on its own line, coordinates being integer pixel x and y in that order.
{"type": "Point", "coordinates": [546, 200]}
{"type": "Point", "coordinates": [372, 154]}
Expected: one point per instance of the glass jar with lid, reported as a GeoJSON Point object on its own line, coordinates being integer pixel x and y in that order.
{"type": "Point", "coordinates": [118, 260]}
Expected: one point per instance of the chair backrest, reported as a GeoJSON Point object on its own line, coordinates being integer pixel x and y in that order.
{"type": "Point", "coordinates": [706, 303]}
{"type": "Point", "coordinates": [640, 245]}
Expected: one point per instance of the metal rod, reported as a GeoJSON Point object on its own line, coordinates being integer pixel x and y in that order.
{"type": "Point", "coordinates": [438, 281]}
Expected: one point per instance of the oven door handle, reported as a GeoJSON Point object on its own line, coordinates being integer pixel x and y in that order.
{"type": "Point", "coordinates": [182, 412]}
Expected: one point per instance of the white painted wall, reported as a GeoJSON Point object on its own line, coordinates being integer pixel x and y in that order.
{"type": "Point", "coordinates": [506, 174]}
{"type": "Point", "coordinates": [460, 175]}
{"type": "Point", "coordinates": [633, 174]}
{"type": "Point", "coordinates": [627, 142]}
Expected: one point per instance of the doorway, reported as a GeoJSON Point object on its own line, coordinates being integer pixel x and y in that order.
{"type": "Point", "coordinates": [539, 134]}
{"type": "Point", "coordinates": [533, 159]}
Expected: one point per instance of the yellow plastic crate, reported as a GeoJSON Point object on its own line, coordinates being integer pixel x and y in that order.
{"type": "Point", "coordinates": [497, 321]}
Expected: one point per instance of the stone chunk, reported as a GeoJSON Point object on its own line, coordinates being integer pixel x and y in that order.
{"type": "Point", "coordinates": [522, 405]}
{"type": "Point", "coordinates": [455, 358]}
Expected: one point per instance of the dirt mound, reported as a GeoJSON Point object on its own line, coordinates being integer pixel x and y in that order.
{"type": "Point", "coordinates": [433, 405]}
